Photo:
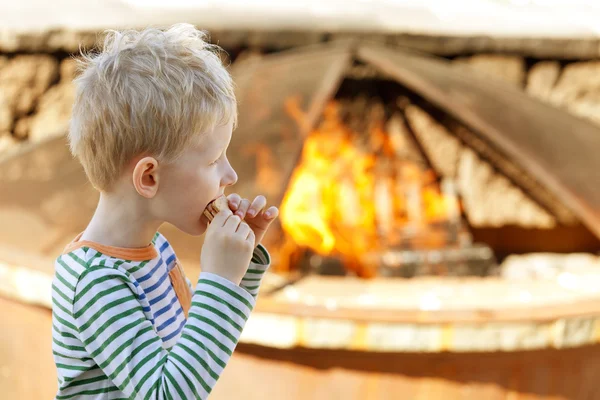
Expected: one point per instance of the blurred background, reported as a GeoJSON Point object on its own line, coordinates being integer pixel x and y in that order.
{"type": "Point", "coordinates": [436, 166]}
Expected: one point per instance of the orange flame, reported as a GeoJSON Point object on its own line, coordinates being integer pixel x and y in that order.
{"type": "Point", "coordinates": [346, 199]}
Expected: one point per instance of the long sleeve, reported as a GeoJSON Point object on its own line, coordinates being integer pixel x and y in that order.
{"type": "Point", "coordinates": [258, 266]}
{"type": "Point", "coordinates": [121, 340]}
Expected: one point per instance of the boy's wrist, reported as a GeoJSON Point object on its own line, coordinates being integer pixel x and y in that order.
{"type": "Point", "coordinates": [236, 280]}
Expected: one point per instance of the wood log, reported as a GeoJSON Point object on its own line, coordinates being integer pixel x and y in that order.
{"type": "Point", "coordinates": [489, 198]}
{"type": "Point", "coordinates": [441, 147]}
{"type": "Point", "coordinates": [534, 189]}
{"type": "Point", "coordinates": [401, 141]}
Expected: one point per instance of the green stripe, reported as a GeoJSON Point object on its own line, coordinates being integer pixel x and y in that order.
{"type": "Point", "coordinates": [130, 357]}
{"type": "Point", "coordinates": [150, 372]}
{"type": "Point", "coordinates": [220, 314]}
{"type": "Point", "coordinates": [99, 378]}
{"type": "Point", "coordinates": [82, 359]}
{"type": "Point", "coordinates": [193, 372]}
{"type": "Point", "coordinates": [265, 254]}
{"type": "Point", "coordinates": [216, 298]}
{"type": "Point", "coordinates": [174, 383]}
{"type": "Point", "coordinates": [98, 296]}
{"type": "Point", "coordinates": [65, 323]}
{"type": "Point", "coordinates": [61, 307]}
{"type": "Point", "coordinates": [78, 260]}
{"type": "Point", "coordinates": [66, 266]}
{"type": "Point", "coordinates": [226, 290]}
{"type": "Point", "coordinates": [255, 271]}
{"type": "Point", "coordinates": [86, 392]}
{"type": "Point", "coordinates": [122, 347]}
{"type": "Point", "coordinates": [152, 389]}
{"type": "Point", "coordinates": [218, 327]}
{"type": "Point", "coordinates": [73, 367]}
{"type": "Point", "coordinates": [64, 282]}
{"type": "Point", "coordinates": [200, 360]}
{"type": "Point", "coordinates": [138, 367]}
{"type": "Point", "coordinates": [190, 384]}
{"type": "Point", "coordinates": [212, 355]}
{"type": "Point", "coordinates": [252, 287]}
{"type": "Point", "coordinates": [116, 334]}
{"type": "Point", "coordinates": [61, 294]}
{"type": "Point", "coordinates": [252, 279]}
{"type": "Point", "coordinates": [63, 334]}
{"type": "Point", "coordinates": [68, 347]}
{"type": "Point", "coordinates": [107, 307]}
{"type": "Point", "coordinates": [94, 282]}
{"type": "Point", "coordinates": [212, 339]}
{"type": "Point", "coordinates": [138, 267]}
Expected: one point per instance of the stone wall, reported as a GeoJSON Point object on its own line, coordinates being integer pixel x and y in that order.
{"type": "Point", "coordinates": [36, 95]}
{"type": "Point", "coordinates": [36, 92]}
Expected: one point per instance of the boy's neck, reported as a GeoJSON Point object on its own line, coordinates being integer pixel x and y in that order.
{"type": "Point", "coordinates": [119, 223]}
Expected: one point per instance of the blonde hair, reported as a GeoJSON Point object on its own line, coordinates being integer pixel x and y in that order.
{"type": "Point", "coordinates": [150, 92]}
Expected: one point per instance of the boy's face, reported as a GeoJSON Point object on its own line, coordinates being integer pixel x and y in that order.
{"type": "Point", "coordinates": [200, 175]}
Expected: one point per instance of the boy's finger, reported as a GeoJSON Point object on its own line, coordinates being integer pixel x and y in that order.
{"type": "Point", "coordinates": [272, 212]}
{"type": "Point", "coordinates": [234, 201]}
{"type": "Point", "coordinates": [243, 207]}
{"type": "Point", "coordinates": [232, 223]}
{"type": "Point", "coordinates": [257, 205]}
{"type": "Point", "coordinates": [243, 229]}
{"type": "Point", "coordinates": [221, 217]}
{"type": "Point", "coordinates": [251, 237]}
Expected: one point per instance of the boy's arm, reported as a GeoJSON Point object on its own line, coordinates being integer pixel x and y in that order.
{"type": "Point", "coordinates": [258, 266]}
{"type": "Point", "coordinates": [123, 343]}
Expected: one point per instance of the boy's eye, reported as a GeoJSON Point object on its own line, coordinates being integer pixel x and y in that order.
{"type": "Point", "coordinates": [216, 161]}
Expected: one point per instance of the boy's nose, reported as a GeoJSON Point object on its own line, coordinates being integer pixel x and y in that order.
{"type": "Point", "coordinates": [230, 177]}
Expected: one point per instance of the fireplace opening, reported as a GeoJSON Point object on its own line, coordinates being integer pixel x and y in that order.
{"type": "Point", "coordinates": [364, 199]}
{"type": "Point", "coordinates": [374, 178]}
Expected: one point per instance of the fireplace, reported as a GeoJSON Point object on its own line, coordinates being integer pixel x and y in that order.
{"type": "Point", "coordinates": [381, 171]}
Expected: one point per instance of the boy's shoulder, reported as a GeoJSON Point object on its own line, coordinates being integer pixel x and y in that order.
{"type": "Point", "coordinates": [77, 261]}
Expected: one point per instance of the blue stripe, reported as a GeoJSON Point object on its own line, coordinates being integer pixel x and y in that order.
{"type": "Point", "coordinates": [141, 296]}
{"type": "Point", "coordinates": [149, 274]}
{"type": "Point", "coordinates": [165, 308]}
{"type": "Point", "coordinates": [164, 246]}
{"type": "Point", "coordinates": [174, 333]}
{"type": "Point", "coordinates": [162, 296]}
{"type": "Point", "coordinates": [157, 284]}
{"type": "Point", "coordinates": [170, 259]}
{"type": "Point", "coordinates": [170, 320]}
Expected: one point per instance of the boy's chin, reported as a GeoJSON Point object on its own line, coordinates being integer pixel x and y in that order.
{"type": "Point", "coordinates": [195, 229]}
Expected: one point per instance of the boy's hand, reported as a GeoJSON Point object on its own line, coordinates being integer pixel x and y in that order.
{"type": "Point", "coordinates": [254, 213]}
{"type": "Point", "coordinates": [228, 247]}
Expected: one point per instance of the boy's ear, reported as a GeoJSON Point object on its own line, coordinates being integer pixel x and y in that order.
{"type": "Point", "coordinates": [145, 177]}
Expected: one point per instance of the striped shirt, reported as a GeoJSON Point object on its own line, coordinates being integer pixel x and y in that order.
{"type": "Point", "coordinates": [120, 330]}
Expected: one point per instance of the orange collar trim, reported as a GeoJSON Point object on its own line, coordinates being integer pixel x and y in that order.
{"type": "Point", "coordinates": [125, 253]}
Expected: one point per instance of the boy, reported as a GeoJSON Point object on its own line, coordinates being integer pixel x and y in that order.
{"type": "Point", "coordinates": [151, 124]}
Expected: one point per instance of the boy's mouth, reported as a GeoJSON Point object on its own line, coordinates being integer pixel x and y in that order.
{"type": "Point", "coordinates": [215, 206]}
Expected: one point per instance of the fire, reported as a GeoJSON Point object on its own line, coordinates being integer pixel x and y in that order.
{"type": "Point", "coordinates": [350, 195]}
